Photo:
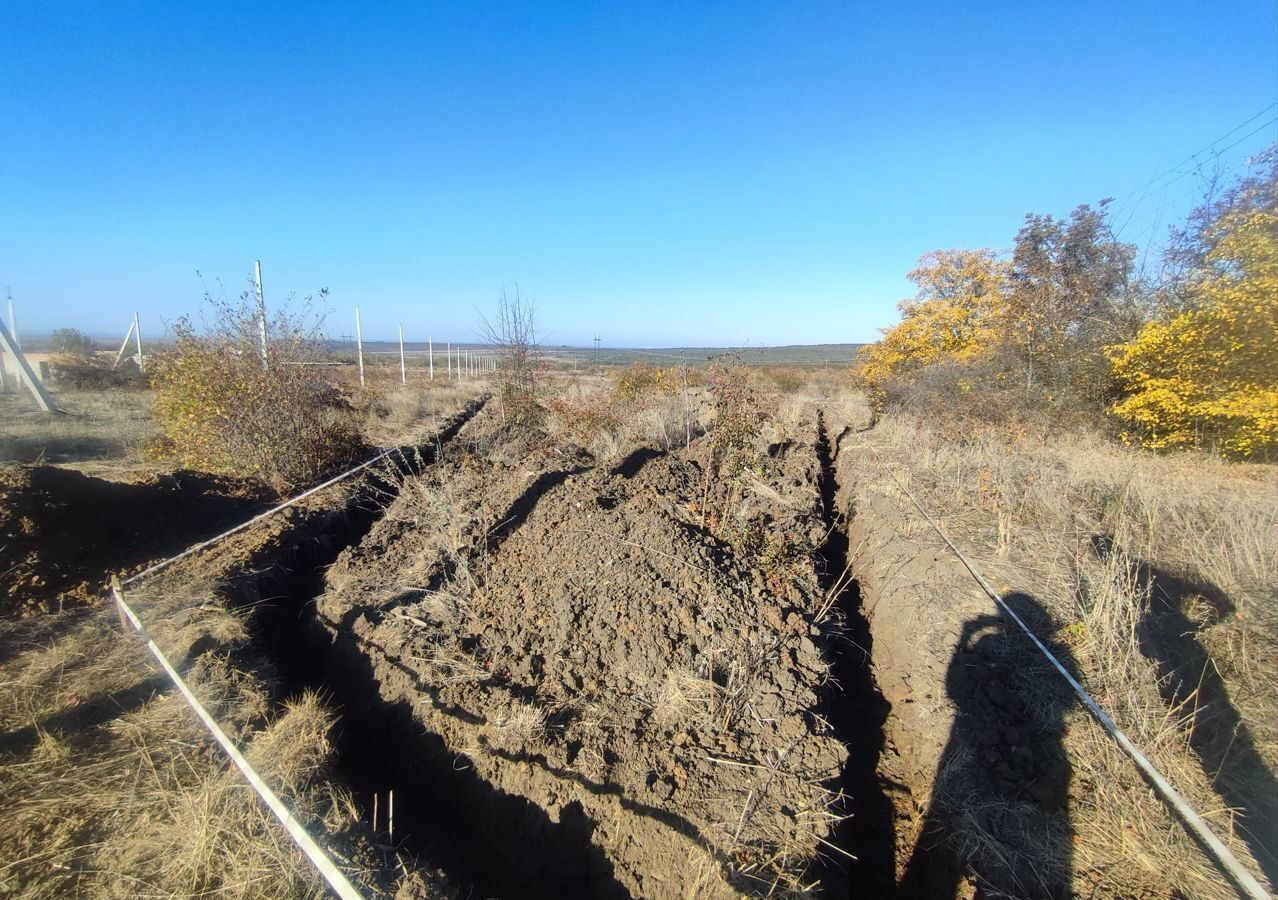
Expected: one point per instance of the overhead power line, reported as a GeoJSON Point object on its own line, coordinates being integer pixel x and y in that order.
{"type": "Point", "coordinates": [1193, 157]}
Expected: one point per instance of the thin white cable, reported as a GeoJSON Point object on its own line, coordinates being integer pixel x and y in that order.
{"type": "Point", "coordinates": [194, 548]}
{"type": "Point", "coordinates": [326, 867]}
{"type": "Point", "coordinates": [1243, 880]}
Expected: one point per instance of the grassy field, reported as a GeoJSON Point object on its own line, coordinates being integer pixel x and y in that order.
{"type": "Point", "coordinates": [1154, 576]}
{"type": "Point", "coordinates": [1158, 576]}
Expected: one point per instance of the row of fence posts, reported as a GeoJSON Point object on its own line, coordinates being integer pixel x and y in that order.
{"type": "Point", "coordinates": [460, 363]}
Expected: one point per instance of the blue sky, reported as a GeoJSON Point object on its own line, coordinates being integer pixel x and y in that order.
{"type": "Point", "coordinates": [659, 174]}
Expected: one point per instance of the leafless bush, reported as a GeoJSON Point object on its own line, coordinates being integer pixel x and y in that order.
{"type": "Point", "coordinates": [513, 331]}
{"type": "Point", "coordinates": [85, 372]}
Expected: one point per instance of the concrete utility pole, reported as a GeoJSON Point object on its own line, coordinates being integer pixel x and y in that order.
{"type": "Point", "coordinates": [359, 346]}
{"type": "Point", "coordinates": [24, 370]}
{"type": "Point", "coordinates": [13, 325]}
{"type": "Point", "coordinates": [450, 361]}
{"type": "Point", "coordinates": [261, 309]}
{"type": "Point", "coordinates": [5, 385]}
{"type": "Point", "coordinates": [128, 336]}
{"type": "Point", "coordinates": [430, 355]}
{"type": "Point", "coordinates": [403, 374]}
{"type": "Point", "coordinates": [137, 336]}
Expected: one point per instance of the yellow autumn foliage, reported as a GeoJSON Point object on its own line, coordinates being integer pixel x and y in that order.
{"type": "Point", "coordinates": [953, 316]}
{"type": "Point", "coordinates": [1209, 376]}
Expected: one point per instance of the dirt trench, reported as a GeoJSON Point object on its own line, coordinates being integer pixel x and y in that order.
{"type": "Point", "coordinates": [633, 804]}
{"type": "Point", "coordinates": [858, 711]}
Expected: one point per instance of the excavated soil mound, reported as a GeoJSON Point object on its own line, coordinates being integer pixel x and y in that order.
{"type": "Point", "coordinates": [627, 703]}
{"type": "Point", "coordinates": [62, 532]}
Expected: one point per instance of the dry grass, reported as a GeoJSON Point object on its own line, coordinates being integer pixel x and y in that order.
{"type": "Point", "coordinates": [517, 726]}
{"type": "Point", "coordinates": [685, 698]}
{"type": "Point", "coordinates": [397, 413]}
{"type": "Point", "coordinates": [112, 788]}
{"type": "Point", "coordinates": [1160, 574]}
{"type": "Point", "coordinates": [586, 412]}
{"type": "Point", "coordinates": [91, 425]}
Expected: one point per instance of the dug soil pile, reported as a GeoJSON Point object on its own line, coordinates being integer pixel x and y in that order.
{"type": "Point", "coordinates": [62, 532]}
{"type": "Point", "coordinates": [611, 695]}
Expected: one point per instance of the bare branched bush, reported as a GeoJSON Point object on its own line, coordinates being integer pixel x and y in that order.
{"type": "Point", "coordinates": [513, 331]}
{"type": "Point", "coordinates": [85, 372]}
{"type": "Point", "coordinates": [738, 415]}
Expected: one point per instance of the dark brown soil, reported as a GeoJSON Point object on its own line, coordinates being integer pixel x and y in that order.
{"type": "Point", "coordinates": [63, 533]}
{"type": "Point", "coordinates": [630, 701]}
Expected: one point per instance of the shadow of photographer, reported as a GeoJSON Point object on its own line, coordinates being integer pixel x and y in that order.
{"type": "Point", "coordinates": [998, 816]}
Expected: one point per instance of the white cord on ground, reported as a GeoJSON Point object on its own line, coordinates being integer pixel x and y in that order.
{"type": "Point", "coordinates": [326, 867]}
{"type": "Point", "coordinates": [195, 548]}
{"type": "Point", "coordinates": [1243, 879]}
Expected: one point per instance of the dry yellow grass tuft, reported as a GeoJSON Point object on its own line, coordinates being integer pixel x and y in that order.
{"type": "Point", "coordinates": [110, 785]}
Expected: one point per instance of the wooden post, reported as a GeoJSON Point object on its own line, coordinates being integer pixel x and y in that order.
{"type": "Point", "coordinates": [137, 336]}
{"type": "Point", "coordinates": [261, 309]}
{"type": "Point", "coordinates": [430, 354]}
{"type": "Point", "coordinates": [359, 347]}
{"type": "Point", "coordinates": [117, 591]}
{"type": "Point", "coordinates": [24, 370]}
{"type": "Point", "coordinates": [128, 336]}
{"type": "Point", "coordinates": [403, 374]}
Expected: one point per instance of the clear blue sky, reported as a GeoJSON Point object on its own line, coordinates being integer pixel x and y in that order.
{"type": "Point", "coordinates": [684, 173]}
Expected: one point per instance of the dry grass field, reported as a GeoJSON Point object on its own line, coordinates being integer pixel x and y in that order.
{"type": "Point", "coordinates": [1156, 579]}
{"type": "Point", "coordinates": [685, 636]}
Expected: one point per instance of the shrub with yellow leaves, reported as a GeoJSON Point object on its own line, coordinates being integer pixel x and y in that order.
{"type": "Point", "coordinates": [1207, 376]}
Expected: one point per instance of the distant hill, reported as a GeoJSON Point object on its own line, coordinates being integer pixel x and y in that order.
{"type": "Point", "coordinates": [790, 355]}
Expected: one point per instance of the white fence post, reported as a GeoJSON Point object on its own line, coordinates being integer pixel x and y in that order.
{"type": "Point", "coordinates": [359, 347]}
{"type": "Point", "coordinates": [24, 370]}
{"type": "Point", "coordinates": [430, 354]}
{"type": "Point", "coordinates": [137, 336]}
{"type": "Point", "coordinates": [403, 374]}
{"type": "Point", "coordinates": [261, 309]}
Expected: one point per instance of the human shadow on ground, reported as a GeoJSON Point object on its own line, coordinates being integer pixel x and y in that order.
{"type": "Point", "coordinates": [998, 814]}
{"type": "Point", "coordinates": [1178, 610]}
